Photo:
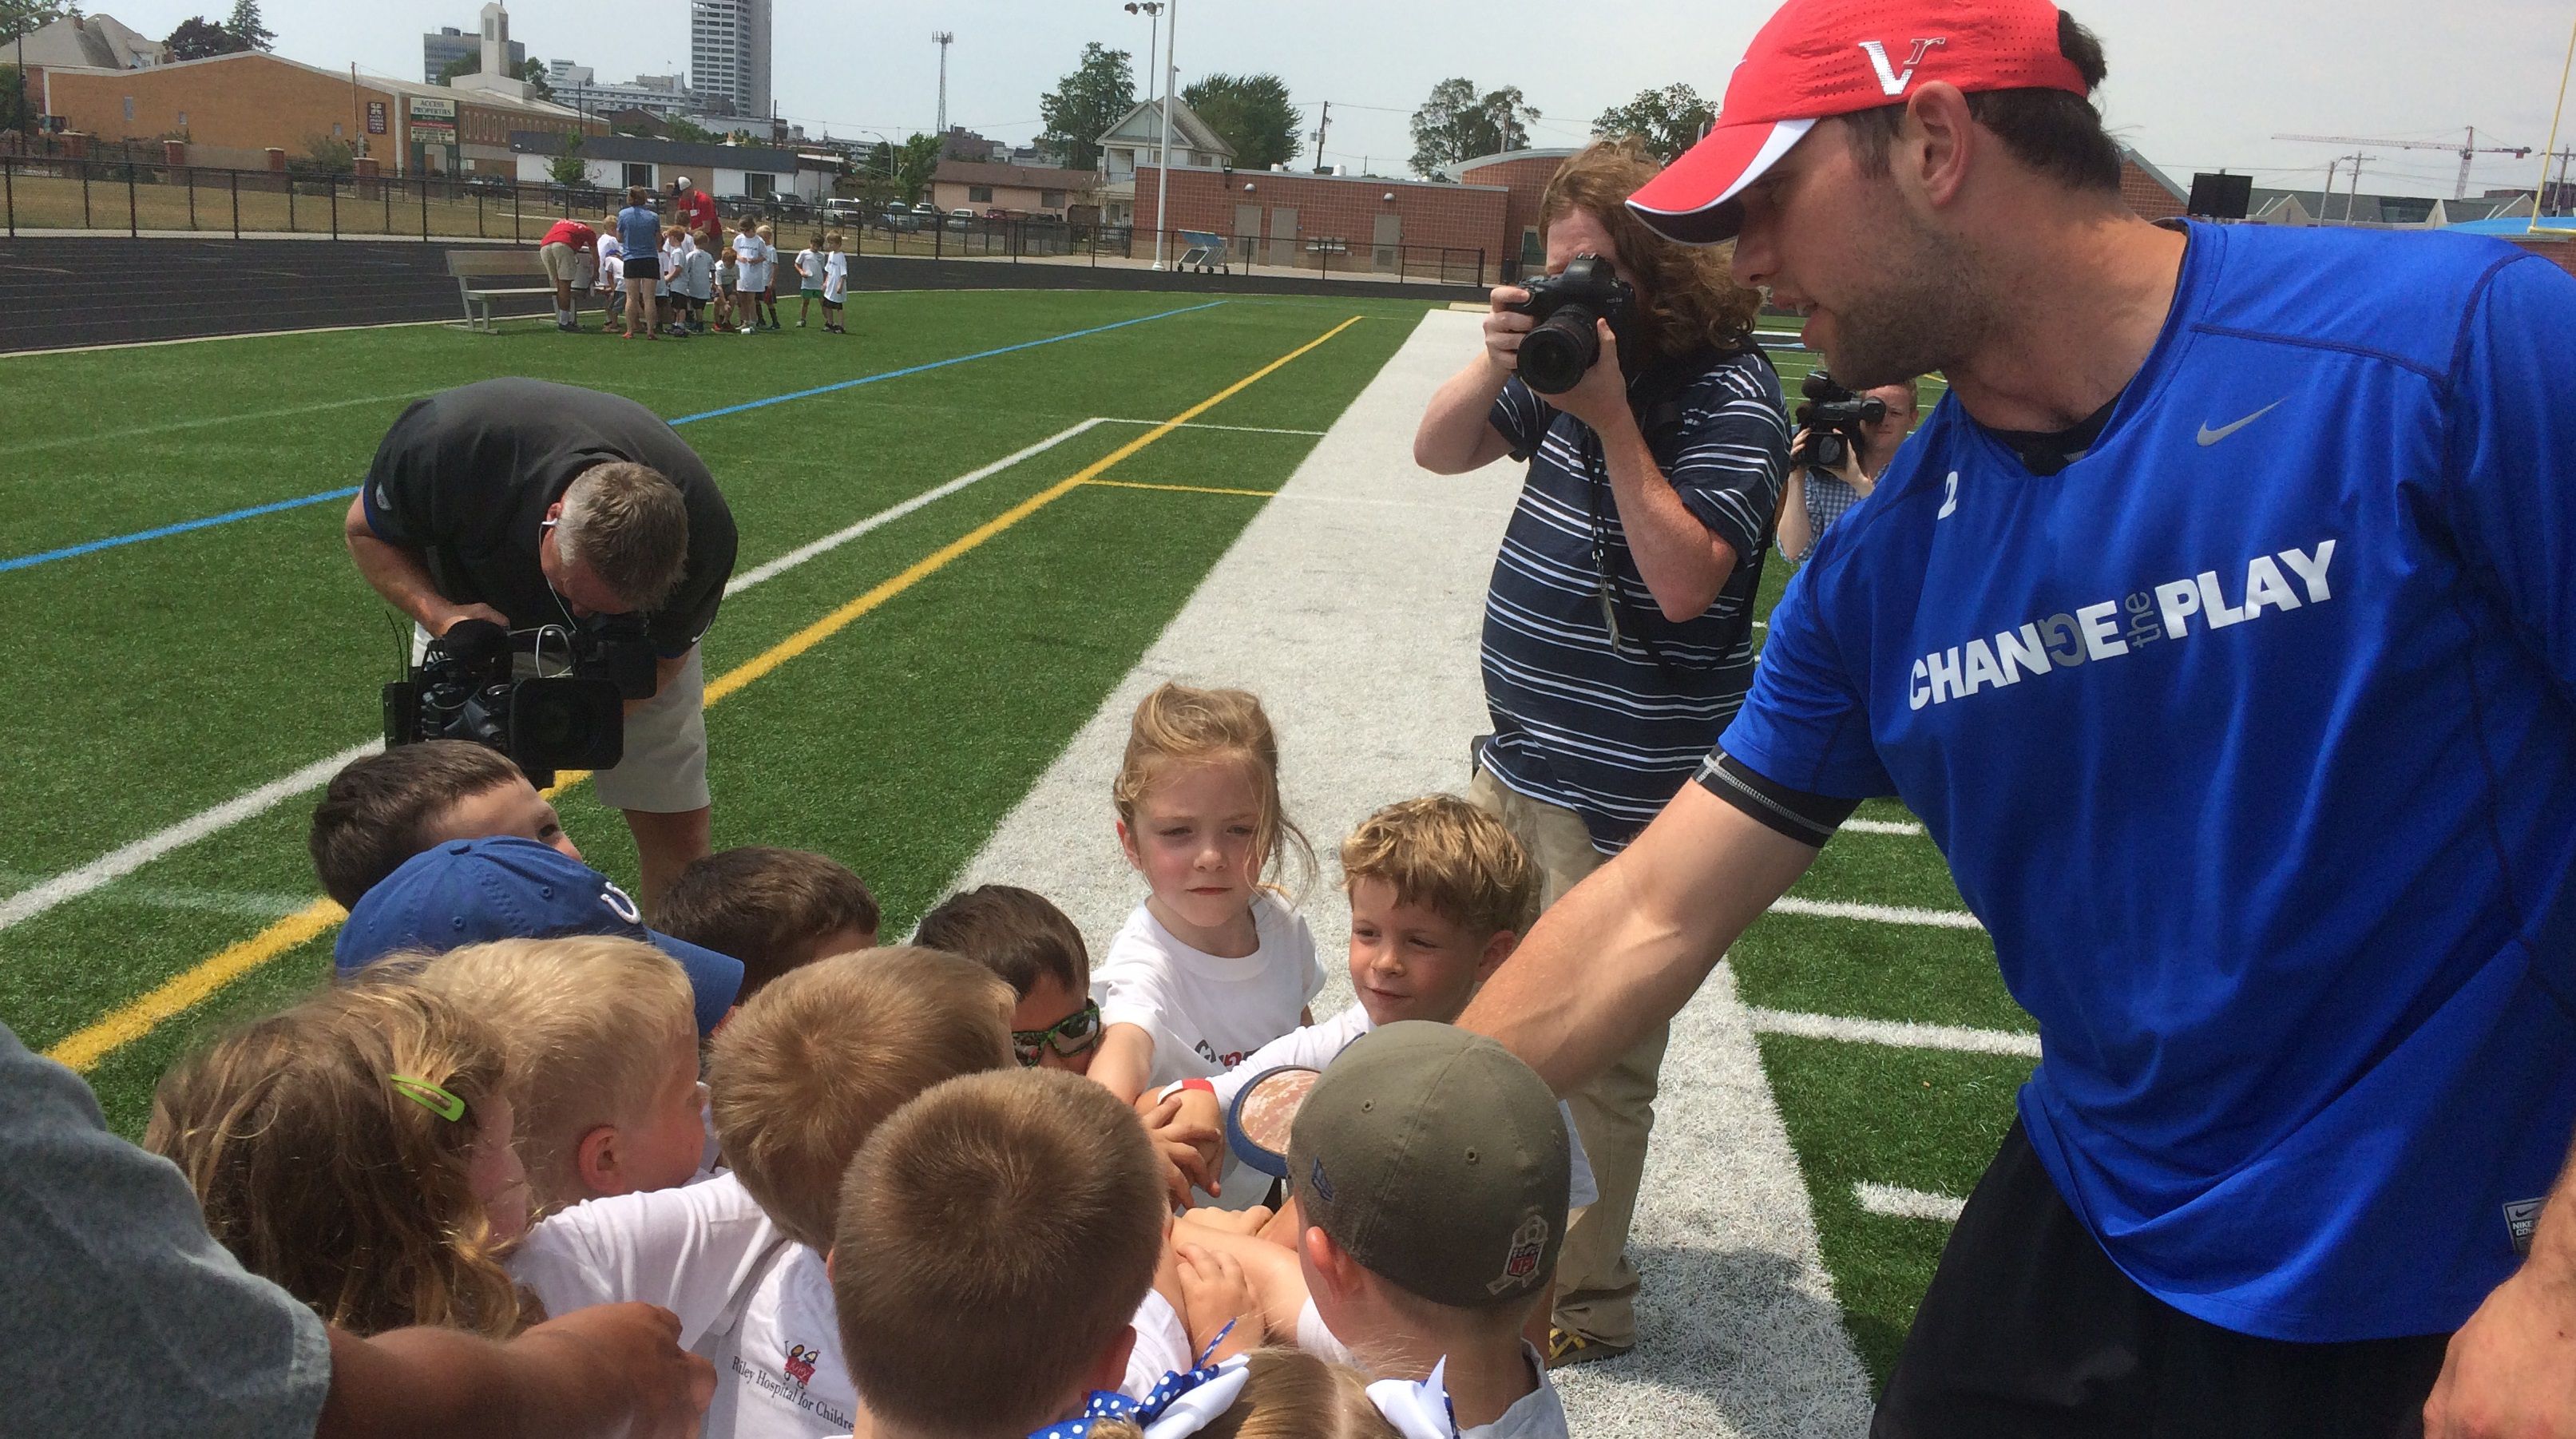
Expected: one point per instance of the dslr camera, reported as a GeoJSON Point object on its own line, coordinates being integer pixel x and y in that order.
{"type": "Point", "coordinates": [1833, 418]}
{"type": "Point", "coordinates": [468, 685]}
{"type": "Point", "coordinates": [1564, 343]}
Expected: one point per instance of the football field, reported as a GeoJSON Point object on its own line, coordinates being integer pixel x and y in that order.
{"type": "Point", "coordinates": [964, 527]}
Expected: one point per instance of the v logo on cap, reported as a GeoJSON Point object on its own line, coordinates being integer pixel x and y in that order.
{"type": "Point", "coordinates": [1890, 80]}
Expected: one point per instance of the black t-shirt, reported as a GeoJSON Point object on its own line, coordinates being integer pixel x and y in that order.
{"type": "Point", "coordinates": [465, 477]}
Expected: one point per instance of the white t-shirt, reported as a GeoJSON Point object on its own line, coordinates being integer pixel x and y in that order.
{"type": "Point", "coordinates": [1421, 1410]}
{"type": "Point", "coordinates": [754, 1302]}
{"type": "Point", "coordinates": [809, 268]}
{"type": "Point", "coordinates": [1162, 1346]}
{"type": "Point", "coordinates": [1207, 1013]}
{"type": "Point", "coordinates": [836, 276]}
{"type": "Point", "coordinates": [751, 260]}
{"type": "Point", "coordinates": [1314, 1046]}
{"type": "Point", "coordinates": [612, 272]}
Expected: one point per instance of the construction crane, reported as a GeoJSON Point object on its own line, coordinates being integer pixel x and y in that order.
{"type": "Point", "coordinates": [2467, 151]}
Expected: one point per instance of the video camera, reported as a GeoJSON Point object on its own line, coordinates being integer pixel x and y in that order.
{"type": "Point", "coordinates": [467, 686]}
{"type": "Point", "coordinates": [1833, 418]}
{"type": "Point", "coordinates": [1564, 344]}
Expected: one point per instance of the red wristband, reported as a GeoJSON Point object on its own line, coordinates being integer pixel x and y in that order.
{"type": "Point", "coordinates": [1201, 1085]}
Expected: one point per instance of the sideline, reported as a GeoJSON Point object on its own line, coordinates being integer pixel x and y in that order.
{"type": "Point", "coordinates": [83, 1050]}
{"type": "Point", "coordinates": [21, 562]}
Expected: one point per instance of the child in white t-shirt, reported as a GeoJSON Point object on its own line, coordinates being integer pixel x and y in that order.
{"type": "Point", "coordinates": [1214, 964]}
{"type": "Point", "coordinates": [750, 259]}
{"type": "Point", "coordinates": [801, 1076]}
{"type": "Point", "coordinates": [809, 279]}
{"type": "Point", "coordinates": [611, 272]}
{"type": "Point", "coordinates": [836, 283]}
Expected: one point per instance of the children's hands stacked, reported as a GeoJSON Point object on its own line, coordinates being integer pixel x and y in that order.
{"type": "Point", "coordinates": [1190, 1136]}
{"type": "Point", "coordinates": [1215, 1293]}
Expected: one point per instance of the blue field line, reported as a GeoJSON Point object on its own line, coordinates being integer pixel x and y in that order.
{"type": "Point", "coordinates": [139, 536]}
{"type": "Point", "coordinates": [181, 528]}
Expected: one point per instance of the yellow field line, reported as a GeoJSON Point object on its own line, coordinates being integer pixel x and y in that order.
{"type": "Point", "coordinates": [83, 1050]}
{"type": "Point", "coordinates": [1180, 489]}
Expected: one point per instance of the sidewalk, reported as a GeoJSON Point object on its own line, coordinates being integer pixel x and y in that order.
{"type": "Point", "coordinates": [1352, 605]}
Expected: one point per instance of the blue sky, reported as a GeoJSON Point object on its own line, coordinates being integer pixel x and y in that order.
{"type": "Point", "coordinates": [2195, 84]}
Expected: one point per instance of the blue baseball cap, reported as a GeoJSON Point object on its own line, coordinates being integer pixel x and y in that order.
{"type": "Point", "coordinates": [472, 890]}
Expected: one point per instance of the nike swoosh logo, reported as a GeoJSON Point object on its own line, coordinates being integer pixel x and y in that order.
{"type": "Point", "coordinates": [2210, 437]}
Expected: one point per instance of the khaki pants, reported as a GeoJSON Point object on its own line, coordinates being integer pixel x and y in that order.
{"type": "Point", "coordinates": [1596, 1286]}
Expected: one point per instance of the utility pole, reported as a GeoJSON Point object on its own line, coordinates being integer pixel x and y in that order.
{"type": "Point", "coordinates": [943, 39]}
{"type": "Point", "coordinates": [1163, 155]}
{"type": "Point", "coordinates": [2327, 194]}
{"type": "Point", "coordinates": [2352, 203]}
{"type": "Point", "coordinates": [1323, 122]}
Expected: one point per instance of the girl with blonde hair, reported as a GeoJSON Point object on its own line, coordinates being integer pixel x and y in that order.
{"type": "Point", "coordinates": [357, 1150]}
{"type": "Point", "coordinates": [1214, 963]}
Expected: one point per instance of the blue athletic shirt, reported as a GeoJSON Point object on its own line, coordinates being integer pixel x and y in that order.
{"type": "Point", "coordinates": [2249, 736]}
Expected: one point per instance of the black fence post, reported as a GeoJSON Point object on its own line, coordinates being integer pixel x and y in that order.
{"type": "Point", "coordinates": [385, 192]}
{"type": "Point", "coordinates": [9, 185]}
{"type": "Point", "coordinates": [84, 169]}
{"type": "Point", "coordinates": [289, 178]}
{"type": "Point", "coordinates": [424, 206]}
{"type": "Point", "coordinates": [938, 234]}
{"type": "Point", "coordinates": [518, 211]}
{"type": "Point", "coordinates": [236, 175]}
{"type": "Point", "coordinates": [1480, 267]}
{"type": "Point", "coordinates": [133, 220]}
{"type": "Point", "coordinates": [192, 197]}
{"type": "Point", "coordinates": [478, 217]}
{"type": "Point", "coordinates": [334, 182]}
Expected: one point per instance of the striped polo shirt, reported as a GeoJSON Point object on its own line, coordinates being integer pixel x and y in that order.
{"type": "Point", "coordinates": [1611, 733]}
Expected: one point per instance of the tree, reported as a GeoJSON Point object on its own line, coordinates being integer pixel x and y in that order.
{"type": "Point", "coordinates": [17, 17]}
{"type": "Point", "coordinates": [680, 127]}
{"type": "Point", "coordinates": [1249, 112]}
{"type": "Point", "coordinates": [1083, 105]}
{"type": "Point", "coordinates": [533, 70]}
{"type": "Point", "coordinates": [245, 27]}
{"type": "Point", "coordinates": [329, 155]}
{"type": "Point", "coordinates": [569, 168]}
{"type": "Point", "coordinates": [469, 63]}
{"type": "Point", "coordinates": [1669, 120]}
{"type": "Point", "coordinates": [1457, 124]}
{"type": "Point", "coordinates": [915, 162]}
{"type": "Point", "coordinates": [16, 105]}
{"type": "Point", "coordinates": [198, 38]}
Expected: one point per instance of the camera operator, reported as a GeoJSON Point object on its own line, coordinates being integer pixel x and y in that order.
{"type": "Point", "coordinates": [1815, 497]}
{"type": "Point", "coordinates": [1618, 634]}
{"type": "Point", "coordinates": [527, 503]}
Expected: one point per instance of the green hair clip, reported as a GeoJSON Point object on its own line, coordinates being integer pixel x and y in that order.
{"type": "Point", "coordinates": [429, 1096]}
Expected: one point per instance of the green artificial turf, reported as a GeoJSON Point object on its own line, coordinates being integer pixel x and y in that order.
{"type": "Point", "coordinates": [157, 679]}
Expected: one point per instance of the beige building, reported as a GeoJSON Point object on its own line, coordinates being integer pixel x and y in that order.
{"type": "Point", "coordinates": [1018, 189]}
{"type": "Point", "coordinates": [233, 108]}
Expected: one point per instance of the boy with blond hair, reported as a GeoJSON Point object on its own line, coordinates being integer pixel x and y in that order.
{"type": "Point", "coordinates": [801, 1076]}
{"type": "Point", "coordinates": [601, 1038]}
{"type": "Point", "coordinates": [773, 909]}
{"type": "Point", "coordinates": [992, 1243]}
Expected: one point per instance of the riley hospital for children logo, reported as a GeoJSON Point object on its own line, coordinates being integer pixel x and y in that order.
{"type": "Point", "coordinates": [2287, 580]}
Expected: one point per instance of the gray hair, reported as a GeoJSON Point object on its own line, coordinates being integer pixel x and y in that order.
{"type": "Point", "coordinates": [628, 523]}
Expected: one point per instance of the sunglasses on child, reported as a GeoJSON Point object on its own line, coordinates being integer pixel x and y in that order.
{"type": "Point", "coordinates": [1068, 1036]}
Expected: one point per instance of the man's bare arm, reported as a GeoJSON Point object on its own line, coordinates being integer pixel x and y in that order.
{"type": "Point", "coordinates": [1628, 947]}
{"type": "Point", "coordinates": [2511, 1370]}
{"type": "Point", "coordinates": [615, 1371]}
{"type": "Point", "coordinates": [398, 575]}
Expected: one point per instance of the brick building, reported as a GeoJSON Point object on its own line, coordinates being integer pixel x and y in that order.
{"type": "Point", "coordinates": [2150, 191]}
{"type": "Point", "coordinates": [1523, 174]}
{"type": "Point", "coordinates": [233, 107]}
{"type": "Point", "coordinates": [1017, 189]}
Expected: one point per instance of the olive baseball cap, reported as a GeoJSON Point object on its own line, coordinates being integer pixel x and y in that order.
{"type": "Point", "coordinates": [1438, 1161]}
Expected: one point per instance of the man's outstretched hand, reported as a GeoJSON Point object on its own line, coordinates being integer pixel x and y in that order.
{"type": "Point", "coordinates": [2511, 1370]}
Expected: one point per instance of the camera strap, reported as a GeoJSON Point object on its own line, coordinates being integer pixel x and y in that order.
{"type": "Point", "coordinates": [1661, 400]}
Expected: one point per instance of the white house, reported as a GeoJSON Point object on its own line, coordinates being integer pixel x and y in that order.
{"type": "Point", "coordinates": [613, 162]}
{"type": "Point", "coordinates": [1137, 139]}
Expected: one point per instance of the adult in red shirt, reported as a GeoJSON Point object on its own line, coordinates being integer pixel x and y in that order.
{"type": "Point", "coordinates": [693, 207]}
{"type": "Point", "coordinates": [570, 251]}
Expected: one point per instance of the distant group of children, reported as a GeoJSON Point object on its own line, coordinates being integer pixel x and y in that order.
{"type": "Point", "coordinates": [698, 280]}
{"type": "Point", "coordinates": [966, 1186]}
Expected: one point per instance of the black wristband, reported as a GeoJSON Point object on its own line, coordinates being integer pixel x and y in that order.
{"type": "Point", "coordinates": [1810, 819]}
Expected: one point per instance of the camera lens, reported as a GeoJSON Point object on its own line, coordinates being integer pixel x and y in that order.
{"type": "Point", "coordinates": [1556, 352]}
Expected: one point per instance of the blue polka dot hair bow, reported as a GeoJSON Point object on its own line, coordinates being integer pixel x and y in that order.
{"type": "Point", "coordinates": [1181, 1405]}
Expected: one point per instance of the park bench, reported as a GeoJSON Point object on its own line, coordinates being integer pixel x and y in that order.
{"type": "Point", "coordinates": [497, 268]}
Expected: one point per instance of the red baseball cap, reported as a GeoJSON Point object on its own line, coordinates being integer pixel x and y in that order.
{"type": "Point", "coordinates": [1818, 58]}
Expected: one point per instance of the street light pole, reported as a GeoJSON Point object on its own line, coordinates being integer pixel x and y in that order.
{"type": "Point", "coordinates": [1163, 153]}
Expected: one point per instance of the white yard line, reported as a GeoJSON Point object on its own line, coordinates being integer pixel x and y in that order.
{"type": "Point", "coordinates": [71, 884]}
{"type": "Point", "coordinates": [210, 901]}
{"type": "Point", "coordinates": [1900, 1033]}
{"type": "Point", "coordinates": [1876, 913]}
{"type": "Point", "coordinates": [1898, 1202]}
{"type": "Point", "coordinates": [176, 426]}
{"type": "Point", "coordinates": [1880, 826]}
{"type": "Point", "coordinates": [1309, 609]}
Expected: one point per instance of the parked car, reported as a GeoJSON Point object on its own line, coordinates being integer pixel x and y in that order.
{"type": "Point", "coordinates": [843, 210]}
{"type": "Point", "coordinates": [960, 219]}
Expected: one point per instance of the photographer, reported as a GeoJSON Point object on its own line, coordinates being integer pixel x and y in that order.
{"type": "Point", "coordinates": [1618, 635]}
{"type": "Point", "coordinates": [526, 503]}
{"type": "Point", "coordinates": [1816, 497]}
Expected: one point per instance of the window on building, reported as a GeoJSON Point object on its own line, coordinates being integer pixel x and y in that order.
{"type": "Point", "coordinates": [1050, 199]}
{"type": "Point", "coordinates": [640, 175]}
{"type": "Point", "coordinates": [335, 125]}
{"type": "Point", "coordinates": [975, 194]}
{"type": "Point", "coordinates": [129, 109]}
{"type": "Point", "coordinates": [183, 123]}
{"type": "Point", "coordinates": [760, 185]}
